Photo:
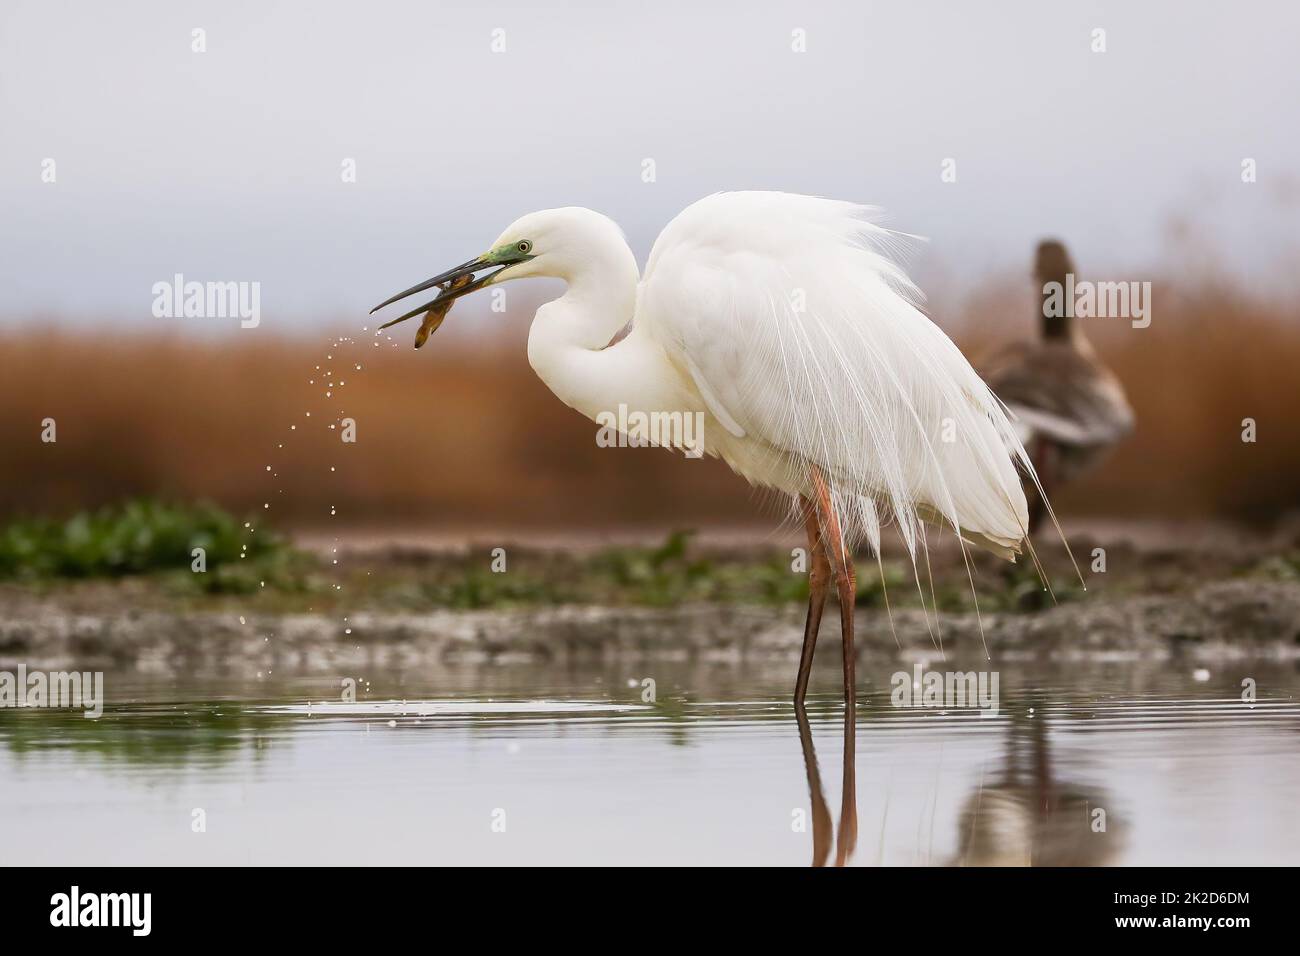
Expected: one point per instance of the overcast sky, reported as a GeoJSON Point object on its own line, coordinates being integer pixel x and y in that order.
{"type": "Point", "coordinates": [226, 164]}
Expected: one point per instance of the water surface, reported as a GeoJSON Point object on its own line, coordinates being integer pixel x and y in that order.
{"type": "Point", "coordinates": [526, 765]}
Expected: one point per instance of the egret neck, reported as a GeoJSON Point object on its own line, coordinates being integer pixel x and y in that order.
{"type": "Point", "coordinates": [836, 406]}
{"type": "Point", "coordinates": [569, 342]}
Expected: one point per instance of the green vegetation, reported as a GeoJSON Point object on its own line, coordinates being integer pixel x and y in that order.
{"type": "Point", "coordinates": [657, 576]}
{"type": "Point", "coordinates": [145, 537]}
{"type": "Point", "coordinates": [663, 575]}
{"type": "Point", "coordinates": [1279, 567]}
{"type": "Point", "coordinates": [152, 543]}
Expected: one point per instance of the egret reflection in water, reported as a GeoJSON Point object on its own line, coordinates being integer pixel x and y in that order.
{"type": "Point", "coordinates": [846, 839]}
{"type": "Point", "coordinates": [412, 773]}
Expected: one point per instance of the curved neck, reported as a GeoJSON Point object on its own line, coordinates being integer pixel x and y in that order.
{"type": "Point", "coordinates": [568, 339]}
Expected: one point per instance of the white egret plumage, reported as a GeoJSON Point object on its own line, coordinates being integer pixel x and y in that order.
{"type": "Point", "coordinates": [783, 322]}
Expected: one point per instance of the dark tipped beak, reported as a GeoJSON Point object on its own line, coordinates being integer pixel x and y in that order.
{"type": "Point", "coordinates": [465, 267]}
{"type": "Point", "coordinates": [447, 295]}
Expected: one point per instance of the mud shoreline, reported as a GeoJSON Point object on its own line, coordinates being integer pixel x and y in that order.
{"type": "Point", "coordinates": [1223, 620]}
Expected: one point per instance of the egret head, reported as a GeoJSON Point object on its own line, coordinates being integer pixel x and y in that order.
{"type": "Point", "coordinates": [553, 242]}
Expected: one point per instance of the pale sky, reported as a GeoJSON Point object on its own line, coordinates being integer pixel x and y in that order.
{"type": "Point", "coordinates": [225, 165]}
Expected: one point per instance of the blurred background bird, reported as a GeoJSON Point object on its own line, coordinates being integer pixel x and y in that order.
{"type": "Point", "coordinates": [1070, 410]}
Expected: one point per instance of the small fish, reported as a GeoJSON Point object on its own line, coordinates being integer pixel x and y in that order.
{"type": "Point", "coordinates": [433, 318]}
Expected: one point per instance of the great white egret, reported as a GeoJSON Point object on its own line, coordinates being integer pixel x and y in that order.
{"type": "Point", "coordinates": [783, 324]}
{"type": "Point", "coordinates": [1070, 409]}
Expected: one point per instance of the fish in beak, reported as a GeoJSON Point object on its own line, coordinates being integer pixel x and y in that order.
{"type": "Point", "coordinates": [453, 284]}
{"type": "Point", "coordinates": [437, 310]}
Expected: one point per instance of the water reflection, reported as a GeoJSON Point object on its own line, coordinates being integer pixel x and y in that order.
{"type": "Point", "coordinates": [847, 839]}
{"type": "Point", "coordinates": [146, 734]}
{"type": "Point", "coordinates": [1030, 815]}
{"type": "Point", "coordinates": [1027, 815]}
{"type": "Point", "coordinates": [705, 774]}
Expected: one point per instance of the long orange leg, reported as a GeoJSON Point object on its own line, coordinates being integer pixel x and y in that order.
{"type": "Point", "coordinates": [819, 576]}
{"type": "Point", "coordinates": [846, 578]}
{"type": "Point", "coordinates": [829, 556]}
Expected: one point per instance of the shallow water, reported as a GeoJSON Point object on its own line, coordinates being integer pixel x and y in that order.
{"type": "Point", "coordinates": [521, 765]}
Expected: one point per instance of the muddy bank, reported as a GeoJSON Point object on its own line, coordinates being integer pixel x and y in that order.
{"type": "Point", "coordinates": [1221, 620]}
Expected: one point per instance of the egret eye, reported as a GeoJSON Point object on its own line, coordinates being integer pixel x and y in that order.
{"type": "Point", "coordinates": [524, 246]}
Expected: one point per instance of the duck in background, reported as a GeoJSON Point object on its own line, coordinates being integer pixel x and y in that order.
{"type": "Point", "coordinates": [1069, 409]}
